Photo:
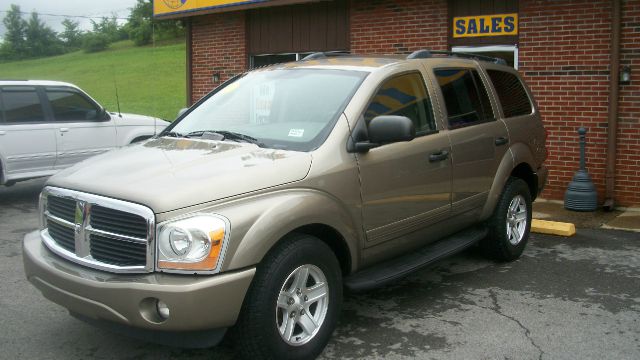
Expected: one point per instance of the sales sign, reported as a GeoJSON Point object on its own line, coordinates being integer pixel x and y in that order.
{"type": "Point", "coordinates": [485, 25]}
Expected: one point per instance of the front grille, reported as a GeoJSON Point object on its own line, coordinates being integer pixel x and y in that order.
{"type": "Point", "coordinates": [101, 232]}
{"type": "Point", "coordinates": [117, 252]}
{"type": "Point", "coordinates": [63, 235]}
{"type": "Point", "coordinates": [119, 222]}
{"type": "Point", "coordinates": [63, 208]}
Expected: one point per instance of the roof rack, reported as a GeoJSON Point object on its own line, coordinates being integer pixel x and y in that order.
{"type": "Point", "coordinates": [425, 54]}
{"type": "Point", "coordinates": [324, 55]}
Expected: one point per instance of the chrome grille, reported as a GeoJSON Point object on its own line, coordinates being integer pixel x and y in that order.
{"type": "Point", "coordinates": [117, 252]}
{"type": "Point", "coordinates": [119, 222]}
{"type": "Point", "coordinates": [98, 232]}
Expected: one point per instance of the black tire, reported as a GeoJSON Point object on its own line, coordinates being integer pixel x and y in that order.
{"type": "Point", "coordinates": [256, 334]}
{"type": "Point", "coordinates": [498, 245]}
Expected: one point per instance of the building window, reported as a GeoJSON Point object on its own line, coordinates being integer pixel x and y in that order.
{"type": "Point", "coordinates": [507, 52]}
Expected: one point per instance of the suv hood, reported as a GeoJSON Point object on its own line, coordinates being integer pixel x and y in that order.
{"type": "Point", "coordinates": [167, 174]}
{"type": "Point", "coordinates": [137, 120]}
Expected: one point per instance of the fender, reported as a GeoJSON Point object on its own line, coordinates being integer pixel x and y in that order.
{"type": "Point", "coordinates": [518, 153]}
{"type": "Point", "coordinates": [126, 134]}
{"type": "Point", "coordinates": [259, 222]}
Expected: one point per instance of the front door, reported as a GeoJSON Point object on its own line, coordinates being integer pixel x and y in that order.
{"type": "Point", "coordinates": [82, 129]}
{"type": "Point", "coordinates": [403, 189]}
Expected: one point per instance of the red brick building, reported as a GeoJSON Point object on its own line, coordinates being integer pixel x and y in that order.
{"type": "Point", "coordinates": [565, 49]}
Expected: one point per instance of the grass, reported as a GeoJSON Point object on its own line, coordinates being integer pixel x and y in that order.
{"type": "Point", "coordinates": [151, 81]}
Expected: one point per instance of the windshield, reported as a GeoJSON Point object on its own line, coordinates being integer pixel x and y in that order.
{"type": "Point", "coordinates": [292, 109]}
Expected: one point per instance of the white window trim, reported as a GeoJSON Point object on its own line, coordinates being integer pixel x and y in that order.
{"type": "Point", "coordinates": [490, 48]}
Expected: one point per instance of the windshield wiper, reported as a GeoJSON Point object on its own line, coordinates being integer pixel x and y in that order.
{"type": "Point", "coordinates": [226, 135]}
{"type": "Point", "coordinates": [171, 134]}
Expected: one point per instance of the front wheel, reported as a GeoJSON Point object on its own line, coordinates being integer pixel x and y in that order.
{"type": "Point", "coordinates": [293, 304]}
{"type": "Point", "coordinates": [510, 223]}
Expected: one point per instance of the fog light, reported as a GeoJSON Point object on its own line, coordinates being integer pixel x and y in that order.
{"type": "Point", "coordinates": [163, 310]}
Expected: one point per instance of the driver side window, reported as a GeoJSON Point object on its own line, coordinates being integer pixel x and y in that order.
{"type": "Point", "coordinates": [71, 106]}
{"type": "Point", "coordinates": [404, 95]}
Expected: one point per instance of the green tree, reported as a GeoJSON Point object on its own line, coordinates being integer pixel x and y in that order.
{"type": "Point", "coordinates": [71, 36]}
{"type": "Point", "coordinates": [141, 25]}
{"type": "Point", "coordinates": [110, 28]}
{"type": "Point", "coordinates": [41, 40]}
{"type": "Point", "coordinates": [14, 44]}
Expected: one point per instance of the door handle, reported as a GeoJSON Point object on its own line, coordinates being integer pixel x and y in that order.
{"type": "Point", "coordinates": [439, 156]}
{"type": "Point", "coordinates": [64, 129]}
{"type": "Point", "coordinates": [502, 141]}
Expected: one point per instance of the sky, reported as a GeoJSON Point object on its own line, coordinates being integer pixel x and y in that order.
{"type": "Point", "coordinates": [96, 8]}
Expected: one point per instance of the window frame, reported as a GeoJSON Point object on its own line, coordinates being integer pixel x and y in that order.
{"type": "Point", "coordinates": [468, 69]}
{"type": "Point", "coordinates": [46, 115]}
{"type": "Point", "coordinates": [427, 91]}
{"type": "Point", "coordinates": [102, 114]}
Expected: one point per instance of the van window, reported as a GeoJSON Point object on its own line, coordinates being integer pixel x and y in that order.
{"type": "Point", "coordinates": [465, 97]}
{"type": "Point", "coordinates": [404, 95]}
{"type": "Point", "coordinates": [511, 92]}
{"type": "Point", "coordinates": [21, 105]}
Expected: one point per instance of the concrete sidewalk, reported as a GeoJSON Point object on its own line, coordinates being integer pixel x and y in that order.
{"type": "Point", "coordinates": [552, 210]}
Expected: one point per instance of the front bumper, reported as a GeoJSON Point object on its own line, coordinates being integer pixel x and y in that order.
{"type": "Point", "coordinates": [196, 302]}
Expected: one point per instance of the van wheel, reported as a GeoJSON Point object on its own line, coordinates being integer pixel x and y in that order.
{"type": "Point", "coordinates": [510, 224]}
{"type": "Point", "coordinates": [292, 306]}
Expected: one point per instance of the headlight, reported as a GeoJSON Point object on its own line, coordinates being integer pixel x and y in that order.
{"type": "Point", "coordinates": [195, 243]}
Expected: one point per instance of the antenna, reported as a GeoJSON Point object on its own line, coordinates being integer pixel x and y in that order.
{"type": "Point", "coordinates": [115, 85]}
{"type": "Point", "coordinates": [153, 55]}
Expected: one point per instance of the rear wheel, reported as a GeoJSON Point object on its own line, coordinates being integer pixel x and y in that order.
{"type": "Point", "coordinates": [293, 304]}
{"type": "Point", "coordinates": [511, 222]}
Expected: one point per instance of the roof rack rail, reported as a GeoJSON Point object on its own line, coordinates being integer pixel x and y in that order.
{"type": "Point", "coordinates": [425, 54]}
{"type": "Point", "coordinates": [324, 55]}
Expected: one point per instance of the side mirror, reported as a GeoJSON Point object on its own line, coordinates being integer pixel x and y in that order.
{"type": "Point", "coordinates": [386, 129]}
{"type": "Point", "coordinates": [182, 111]}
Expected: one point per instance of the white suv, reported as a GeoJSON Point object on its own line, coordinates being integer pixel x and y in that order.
{"type": "Point", "coordinates": [46, 126]}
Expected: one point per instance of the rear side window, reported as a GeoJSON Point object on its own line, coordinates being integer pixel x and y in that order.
{"type": "Point", "coordinates": [465, 97]}
{"type": "Point", "coordinates": [21, 105]}
{"type": "Point", "coordinates": [71, 106]}
{"type": "Point", "coordinates": [513, 97]}
{"type": "Point", "coordinates": [404, 95]}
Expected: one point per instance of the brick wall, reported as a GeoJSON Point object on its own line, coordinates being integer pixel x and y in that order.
{"type": "Point", "coordinates": [219, 46]}
{"type": "Point", "coordinates": [399, 26]}
{"type": "Point", "coordinates": [564, 56]}
{"type": "Point", "coordinates": [628, 148]}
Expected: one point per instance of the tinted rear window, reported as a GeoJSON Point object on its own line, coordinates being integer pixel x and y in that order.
{"type": "Point", "coordinates": [465, 97]}
{"type": "Point", "coordinates": [513, 97]}
{"type": "Point", "coordinates": [21, 105]}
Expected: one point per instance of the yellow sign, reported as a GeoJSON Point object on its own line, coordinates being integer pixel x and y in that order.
{"type": "Point", "coordinates": [170, 7]}
{"type": "Point", "coordinates": [485, 25]}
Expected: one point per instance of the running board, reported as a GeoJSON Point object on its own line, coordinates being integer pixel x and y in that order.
{"type": "Point", "coordinates": [390, 270]}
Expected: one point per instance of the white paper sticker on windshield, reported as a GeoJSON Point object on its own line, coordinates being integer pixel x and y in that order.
{"type": "Point", "coordinates": [296, 132]}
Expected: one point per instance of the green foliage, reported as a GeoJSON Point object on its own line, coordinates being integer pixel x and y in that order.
{"type": "Point", "coordinates": [41, 40]}
{"type": "Point", "coordinates": [14, 44]}
{"type": "Point", "coordinates": [142, 27]}
{"type": "Point", "coordinates": [95, 42]}
{"type": "Point", "coordinates": [151, 81]}
{"type": "Point", "coordinates": [71, 36]}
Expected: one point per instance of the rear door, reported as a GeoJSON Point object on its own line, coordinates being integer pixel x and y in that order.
{"type": "Point", "coordinates": [27, 136]}
{"type": "Point", "coordinates": [82, 128]}
{"type": "Point", "coordinates": [478, 139]}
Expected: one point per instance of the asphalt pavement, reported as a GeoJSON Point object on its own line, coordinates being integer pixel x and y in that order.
{"type": "Point", "coordinates": [566, 298]}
